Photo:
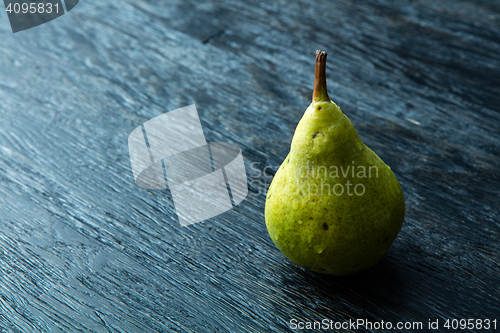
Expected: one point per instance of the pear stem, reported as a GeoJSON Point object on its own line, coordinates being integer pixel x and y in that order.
{"type": "Point", "coordinates": [320, 93]}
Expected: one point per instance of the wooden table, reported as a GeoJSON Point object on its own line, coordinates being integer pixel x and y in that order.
{"type": "Point", "coordinates": [84, 249]}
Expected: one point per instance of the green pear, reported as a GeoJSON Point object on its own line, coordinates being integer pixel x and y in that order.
{"type": "Point", "coordinates": [333, 206]}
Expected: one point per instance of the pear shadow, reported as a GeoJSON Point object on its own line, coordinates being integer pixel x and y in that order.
{"type": "Point", "coordinates": [377, 292]}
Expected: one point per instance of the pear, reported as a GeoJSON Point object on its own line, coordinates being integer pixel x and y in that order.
{"type": "Point", "coordinates": [334, 206]}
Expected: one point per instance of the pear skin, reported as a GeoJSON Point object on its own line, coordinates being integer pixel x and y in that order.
{"type": "Point", "coordinates": [334, 206]}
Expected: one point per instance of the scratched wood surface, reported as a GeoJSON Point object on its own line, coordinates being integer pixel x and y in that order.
{"type": "Point", "coordinates": [83, 249]}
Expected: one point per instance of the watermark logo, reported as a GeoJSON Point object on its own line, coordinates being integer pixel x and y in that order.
{"type": "Point", "coordinates": [205, 178]}
{"type": "Point", "coordinates": [26, 14]}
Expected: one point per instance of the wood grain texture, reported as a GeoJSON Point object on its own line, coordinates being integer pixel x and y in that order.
{"type": "Point", "coordinates": [83, 249]}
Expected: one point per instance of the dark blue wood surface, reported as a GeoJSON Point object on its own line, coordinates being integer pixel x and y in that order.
{"type": "Point", "coordinates": [83, 249]}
